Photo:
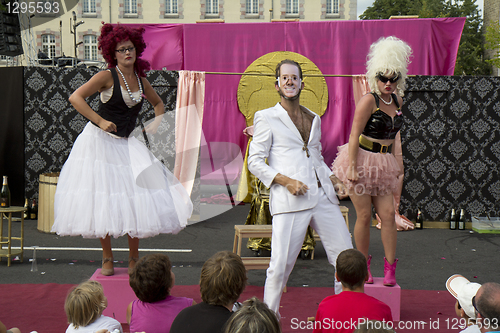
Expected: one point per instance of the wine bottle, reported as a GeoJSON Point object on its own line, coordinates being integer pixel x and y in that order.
{"type": "Point", "coordinates": [26, 214]}
{"type": "Point", "coordinates": [33, 210]}
{"type": "Point", "coordinates": [461, 221]}
{"type": "Point", "coordinates": [453, 220]}
{"type": "Point", "coordinates": [5, 194]}
{"type": "Point", "coordinates": [419, 224]}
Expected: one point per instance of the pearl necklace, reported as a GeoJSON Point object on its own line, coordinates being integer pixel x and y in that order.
{"type": "Point", "coordinates": [128, 88]}
{"type": "Point", "coordinates": [386, 103]}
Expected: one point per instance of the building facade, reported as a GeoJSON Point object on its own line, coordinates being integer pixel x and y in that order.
{"type": "Point", "coordinates": [57, 38]}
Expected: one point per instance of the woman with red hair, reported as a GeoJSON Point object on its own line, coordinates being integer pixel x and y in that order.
{"type": "Point", "coordinates": [111, 185]}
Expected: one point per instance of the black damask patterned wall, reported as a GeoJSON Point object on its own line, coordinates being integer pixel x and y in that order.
{"type": "Point", "coordinates": [451, 137]}
{"type": "Point", "coordinates": [52, 124]}
{"type": "Point", "coordinates": [451, 146]}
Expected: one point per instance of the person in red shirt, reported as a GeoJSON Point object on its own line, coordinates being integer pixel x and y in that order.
{"type": "Point", "coordinates": [341, 312]}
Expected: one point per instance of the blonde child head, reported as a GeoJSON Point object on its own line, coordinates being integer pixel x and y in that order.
{"type": "Point", "coordinates": [85, 303]}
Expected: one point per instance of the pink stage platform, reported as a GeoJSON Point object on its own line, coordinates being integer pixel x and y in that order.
{"type": "Point", "coordinates": [118, 292]}
{"type": "Point", "coordinates": [389, 295]}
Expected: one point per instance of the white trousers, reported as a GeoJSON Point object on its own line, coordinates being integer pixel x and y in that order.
{"type": "Point", "coordinates": [289, 230]}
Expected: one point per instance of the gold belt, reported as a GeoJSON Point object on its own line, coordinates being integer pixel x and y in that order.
{"type": "Point", "coordinates": [374, 147]}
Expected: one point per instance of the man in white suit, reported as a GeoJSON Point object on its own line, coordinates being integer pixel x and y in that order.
{"type": "Point", "coordinates": [301, 184]}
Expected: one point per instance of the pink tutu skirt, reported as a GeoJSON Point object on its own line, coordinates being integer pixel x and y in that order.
{"type": "Point", "coordinates": [377, 172]}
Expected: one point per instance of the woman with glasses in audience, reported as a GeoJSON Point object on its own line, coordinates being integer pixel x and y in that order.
{"type": "Point", "coordinates": [367, 165]}
{"type": "Point", "coordinates": [111, 185]}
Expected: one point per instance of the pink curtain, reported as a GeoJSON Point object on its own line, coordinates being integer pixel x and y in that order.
{"type": "Point", "coordinates": [336, 47]}
{"type": "Point", "coordinates": [188, 125]}
{"type": "Point", "coordinates": [360, 87]}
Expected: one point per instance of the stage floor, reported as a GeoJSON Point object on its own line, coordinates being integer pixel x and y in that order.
{"type": "Point", "coordinates": [426, 257]}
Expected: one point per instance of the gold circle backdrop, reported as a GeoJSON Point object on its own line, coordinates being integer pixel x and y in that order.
{"type": "Point", "coordinates": [257, 92]}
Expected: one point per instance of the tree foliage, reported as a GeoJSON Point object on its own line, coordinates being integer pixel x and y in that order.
{"type": "Point", "coordinates": [492, 37]}
{"type": "Point", "coordinates": [470, 56]}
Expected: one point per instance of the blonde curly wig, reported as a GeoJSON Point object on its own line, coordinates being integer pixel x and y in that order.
{"type": "Point", "coordinates": [388, 56]}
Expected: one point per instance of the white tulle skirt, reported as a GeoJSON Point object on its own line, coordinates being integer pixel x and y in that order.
{"type": "Point", "coordinates": [115, 186]}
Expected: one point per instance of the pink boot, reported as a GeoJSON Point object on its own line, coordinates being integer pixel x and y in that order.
{"type": "Point", "coordinates": [370, 277]}
{"type": "Point", "coordinates": [390, 273]}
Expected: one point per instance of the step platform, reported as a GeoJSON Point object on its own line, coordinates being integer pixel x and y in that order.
{"type": "Point", "coordinates": [389, 295]}
{"type": "Point", "coordinates": [118, 292]}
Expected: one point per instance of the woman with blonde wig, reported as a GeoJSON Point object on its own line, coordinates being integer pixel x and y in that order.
{"type": "Point", "coordinates": [367, 165]}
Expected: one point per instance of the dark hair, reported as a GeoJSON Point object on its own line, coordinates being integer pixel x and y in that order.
{"type": "Point", "coordinates": [351, 268]}
{"type": "Point", "coordinates": [488, 302]}
{"type": "Point", "coordinates": [253, 316]}
{"type": "Point", "coordinates": [223, 278]}
{"type": "Point", "coordinates": [111, 35]}
{"type": "Point", "coordinates": [151, 278]}
{"type": "Point", "coordinates": [287, 61]}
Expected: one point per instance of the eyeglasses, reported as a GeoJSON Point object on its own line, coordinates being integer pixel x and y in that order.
{"type": "Point", "coordinates": [122, 51]}
{"type": "Point", "coordinates": [475, 307]}
{"type": "Point", "coordinates": [384, 79]}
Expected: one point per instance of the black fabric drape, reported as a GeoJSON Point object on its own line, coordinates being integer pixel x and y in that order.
{"type": "Point", "coordinates": [12, 131]}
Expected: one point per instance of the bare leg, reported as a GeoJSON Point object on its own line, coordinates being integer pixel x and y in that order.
{"type": "Point", "coordinates": [106, 249]}
{"type": "Point", "coordinates": [384, 205]}
{"type": "Point", "coordinates": [133, 248]}
{"type": "Point", "coordinates": [363, 206]}
{"type": "Point", "coordinates": [107, 256]}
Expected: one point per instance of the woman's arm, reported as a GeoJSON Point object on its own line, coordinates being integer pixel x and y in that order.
{"type": "Point", "coordinates": [157, 103]}
{"type": "Point", "coordinates": [100, 81]}
{"type": "Point", "coordinates": [362, 113]}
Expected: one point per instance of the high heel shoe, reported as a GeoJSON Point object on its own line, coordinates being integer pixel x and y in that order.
{"type": "Point", "coordinates": [390, 273]}
{"type": "Point", "coordinates": [131, 264]}
{"type": "Point", "coordinates": [107, 271]}
{"type": "Point", "coordinates": [370, 277]}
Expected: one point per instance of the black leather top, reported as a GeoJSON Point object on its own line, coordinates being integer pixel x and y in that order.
{"type": "Point", "coordinates": [116, 111]}
{"type": "Point", "coordinates": [380, 125]}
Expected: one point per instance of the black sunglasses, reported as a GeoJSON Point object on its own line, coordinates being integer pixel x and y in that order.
{"type": "Point", "coordinates": [384, 79]}
{"type": "Point", "coordinates": [474, 305]}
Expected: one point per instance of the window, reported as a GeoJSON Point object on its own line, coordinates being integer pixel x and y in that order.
{"type": "Point", "coordinates": [89, 7]}
{"type": "Point", "coordinates": [130, 6]}
{"type": "Point", "coordinates": [171, 7]}
{"type": "Point", "coordinates": [292, 7]}
{"type": "Point", "coordinates": [212, 7]}
{"type": "Point", "coordinates": [252, 6]}
{"type": "Point", "coordinates": [332, 6]}
{"type": "Point", "coordinates": [90, 46]}
{"type": "Point", "coordinates": [49, 45]}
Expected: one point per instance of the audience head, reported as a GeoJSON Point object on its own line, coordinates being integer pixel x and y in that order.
{"type": "Point", "coordinates": [253, 316]}
{"type": "Point", "coordinates": [487, 304]}
{"type": "Point", "coordinates": [351, 269]}
{"type": "Point", "coordinates": [374, 326]}
{"type": "Point", "coordinates": [463, 290]}
{"type": "Point", "coordinates": [388, 56]}
{"type": "Point", "coordinates": [85, 303]}
{"type": "Point", "coordinates": [152, 278]}
{"type": "Point", "coordinates": [223, 279]}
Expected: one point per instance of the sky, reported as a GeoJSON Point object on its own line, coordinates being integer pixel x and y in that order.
{"type": "Point", "coordinates": [363, 4]}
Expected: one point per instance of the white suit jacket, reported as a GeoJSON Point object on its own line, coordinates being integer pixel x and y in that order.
{"type": "Point", "coordinates": [277, 139]}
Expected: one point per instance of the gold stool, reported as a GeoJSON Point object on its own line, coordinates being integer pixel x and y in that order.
{"type": "Point", "coordinates": [8, 252]}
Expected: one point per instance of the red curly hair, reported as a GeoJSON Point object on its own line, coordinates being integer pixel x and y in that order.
{"type": "Point", "coordinates": [111, 35]}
